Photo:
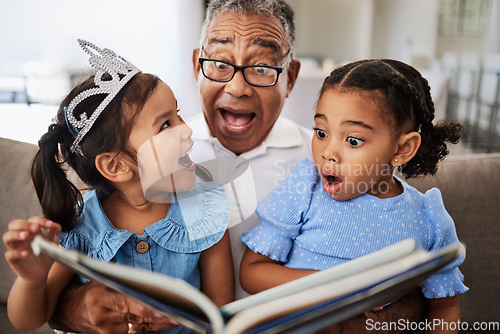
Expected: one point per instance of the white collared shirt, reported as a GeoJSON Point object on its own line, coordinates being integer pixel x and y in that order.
{"type": "Point", "coordinates": [252, 175]}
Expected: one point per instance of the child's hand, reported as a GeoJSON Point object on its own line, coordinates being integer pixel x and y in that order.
{"type": "Point", "coordinates": [19, 254]}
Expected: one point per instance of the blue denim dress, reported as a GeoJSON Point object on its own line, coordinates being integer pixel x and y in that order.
{"type": "Point", "coordinates": [195, 221]}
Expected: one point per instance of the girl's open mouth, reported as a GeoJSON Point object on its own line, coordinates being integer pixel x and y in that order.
{"type": "Point", "coordinates": [186, 162]}
{"type": "Point", "coordinates": [331, 183]}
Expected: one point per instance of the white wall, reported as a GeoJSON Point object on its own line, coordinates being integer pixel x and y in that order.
{"type": "Point", "coordinates": [403, 28]}
{"type": "Point", "coordinates": [158, 35]}
{"type": "Point", "coordinates": [355, 29]}
{"type": "Point", "coordinates": [339, 29]}
{"type": "Point", "coordinates": [155, 35]}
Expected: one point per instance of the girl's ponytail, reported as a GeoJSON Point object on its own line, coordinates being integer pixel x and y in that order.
{"type": "Point", "coordinates": [433, 147]}
{"type": "Point", "coordinates": [59, 198]}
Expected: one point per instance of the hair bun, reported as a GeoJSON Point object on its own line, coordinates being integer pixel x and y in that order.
{"type": "Point", "coordinates": [53, 135]}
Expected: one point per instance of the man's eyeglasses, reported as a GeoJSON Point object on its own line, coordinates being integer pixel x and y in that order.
{"type": "Point", "coordinates": [255, 75]}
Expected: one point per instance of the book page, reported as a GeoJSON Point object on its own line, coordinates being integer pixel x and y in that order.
{"type": "Point", "coordinates": [413, 268]}
{"type": "Point", "coordinates": [182, 301]}
{"type": "Point", "coordinates": [371, 260]}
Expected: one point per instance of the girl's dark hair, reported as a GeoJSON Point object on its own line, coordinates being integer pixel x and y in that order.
{"type": "Point", "coordinates": [60, 199]}
{"type": "Point", "coordinates": [407, 103]}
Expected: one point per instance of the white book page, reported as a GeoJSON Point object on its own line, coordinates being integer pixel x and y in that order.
{"type": "Point", "coordinates": [371, 260]}
{"type": "Point", "coordinates": [275, 309]}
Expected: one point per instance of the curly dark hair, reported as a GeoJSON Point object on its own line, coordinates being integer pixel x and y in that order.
{"type": "Point", "coordinates": [407, 103]}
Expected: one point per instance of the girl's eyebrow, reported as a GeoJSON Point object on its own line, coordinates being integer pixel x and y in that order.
{"type": "Point", "coordinates": [159, 118]}
{"type": "Point", "coordinates": [166, 114]}
{"type": "Point", "coordinates": [358, 123]}
{"type": "Point", "coordinates": [348, 122]}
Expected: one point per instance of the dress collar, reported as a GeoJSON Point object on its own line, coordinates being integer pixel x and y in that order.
{"type": "Point", "coordinates": [194, 222]}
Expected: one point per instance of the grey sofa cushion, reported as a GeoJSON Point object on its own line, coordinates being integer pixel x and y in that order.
{"type": "Point", "coordinates": [18, 199]}
{"type": "Point", "coordinates": [470, 185]}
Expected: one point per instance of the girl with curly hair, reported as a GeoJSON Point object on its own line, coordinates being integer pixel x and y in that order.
{"type": "Point", "coordinates": [372, 117]}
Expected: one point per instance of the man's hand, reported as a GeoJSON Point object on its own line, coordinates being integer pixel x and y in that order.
{"type": "Point", "coordinates": [94, 309]}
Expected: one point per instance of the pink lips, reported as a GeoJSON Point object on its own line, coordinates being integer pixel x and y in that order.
{"type": "Point", "coordinates": [331, 184]}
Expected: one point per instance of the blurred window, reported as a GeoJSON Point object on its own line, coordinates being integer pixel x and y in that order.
{"type": "Point", "coordinates": [464, 18]}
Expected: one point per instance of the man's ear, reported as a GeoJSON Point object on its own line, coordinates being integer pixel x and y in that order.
{"type": "Point", "coordinates": [113, 167]}
{"type": "Point", "coordinates": [292, 73]}
{"type": "Point", "coordinates": [408, 146]}
{"type": "Point", "coordinates": [196, 63]}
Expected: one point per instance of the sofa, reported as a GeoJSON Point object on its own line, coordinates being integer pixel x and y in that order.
{"type": "Point", "coordinates": [469, 184]}
{"type": "Point", "coordinates": [17, 200]}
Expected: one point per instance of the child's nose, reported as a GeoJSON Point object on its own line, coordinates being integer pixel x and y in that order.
{"type": "Point", "coordinates": [331, 152]}
{"type": "Point", "coordinates": [187, 132]}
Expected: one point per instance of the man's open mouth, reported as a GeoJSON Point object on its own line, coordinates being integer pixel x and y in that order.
{"type": "Point", "coordinates": [237, 121]}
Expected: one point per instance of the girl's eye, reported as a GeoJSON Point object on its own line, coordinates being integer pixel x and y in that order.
{"type": "Point", "coordinates": [168, 122]}
{"type": "Point", "coordinates": [321, 134]}
{"type": "Point", "coordinates": [355, 142]}
{"type": "Point", "coordinates": [165, 125]}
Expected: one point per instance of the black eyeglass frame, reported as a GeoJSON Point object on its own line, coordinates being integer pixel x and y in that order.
{"type": "Point", "coordinates": [278, 69]}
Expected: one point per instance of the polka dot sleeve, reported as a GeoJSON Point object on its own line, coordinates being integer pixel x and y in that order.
{"type": "Point", "coordinates": [282, 213]}
{"type": "Point", "coordinates": [449, 280]}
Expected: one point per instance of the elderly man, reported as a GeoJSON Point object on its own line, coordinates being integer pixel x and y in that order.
{"type": "Point", "coordinates": [241, 104]}
{"type": "Point", "coordinates": [244, 70]}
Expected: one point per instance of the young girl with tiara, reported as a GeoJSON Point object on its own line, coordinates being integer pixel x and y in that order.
{"type": "Point", "coordinates": [372, 117]}
{"type": "Point", "coordinates": [121, 133]}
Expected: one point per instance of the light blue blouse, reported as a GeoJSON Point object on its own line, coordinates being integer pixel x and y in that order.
{"type": "Point", "coordinates": [304, 227]}
{"type": "Point", "coordinates": [195, 222]}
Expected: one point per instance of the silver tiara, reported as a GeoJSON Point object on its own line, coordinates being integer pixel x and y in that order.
{"type": "Point", "coordinates": [104, 61]}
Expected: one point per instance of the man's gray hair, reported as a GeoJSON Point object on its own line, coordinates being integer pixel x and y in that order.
{"type": "Point", "coordinates": [271, 8]}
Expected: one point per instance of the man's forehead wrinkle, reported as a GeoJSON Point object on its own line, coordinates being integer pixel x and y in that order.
{"type": "Point", "coordinates": [266, 34]}
{"type": "Point", "coordinates": [262, 31]}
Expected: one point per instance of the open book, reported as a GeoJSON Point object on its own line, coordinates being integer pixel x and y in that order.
{"type": "Point", "coordinates": [303, 305]}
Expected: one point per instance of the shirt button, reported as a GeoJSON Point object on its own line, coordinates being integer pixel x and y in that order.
{"type": "Point", "coordinates": [142, 247]}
